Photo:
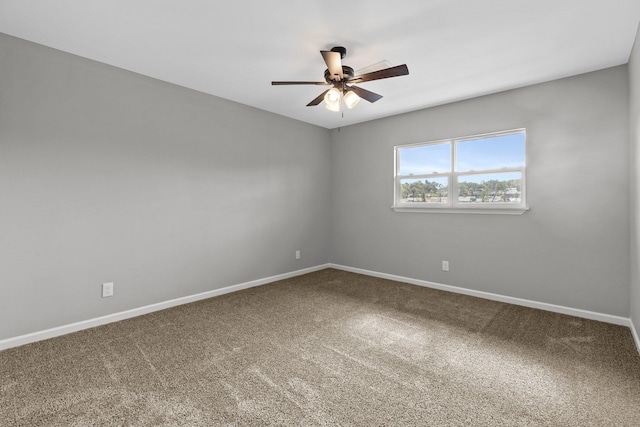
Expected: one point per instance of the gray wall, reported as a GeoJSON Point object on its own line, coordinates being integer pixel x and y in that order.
{"type": "Point", "coordinates": [634, 90]}
{"type": "Point", "coordinates": [570, 249]}
{"type": "Point", "coordinates": [106, 175]}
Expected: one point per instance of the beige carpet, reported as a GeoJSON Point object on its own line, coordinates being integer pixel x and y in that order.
{"type": "Point", "coordinates": [329, 348]}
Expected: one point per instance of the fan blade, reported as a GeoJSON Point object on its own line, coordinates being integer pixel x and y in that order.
{"type": "Point", "coordinates": [300, 83]}
{"type": "Point", "coordinates": [319, 99]}
{"type": "Point", "coordinates": [334, 63]}
{"type": "Point", "coordinates": [398, 70]}
{"type": "Point", "coordinates": [365, 94]}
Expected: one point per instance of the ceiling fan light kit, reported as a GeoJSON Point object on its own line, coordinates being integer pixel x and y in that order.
{"type": "Point", "coordinates": [342, 78]}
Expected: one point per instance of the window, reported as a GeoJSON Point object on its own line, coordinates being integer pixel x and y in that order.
{"type": "Point", "coordinates": [475, 174]}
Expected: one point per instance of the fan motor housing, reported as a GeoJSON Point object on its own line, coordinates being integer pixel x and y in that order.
{"type": "Point", "coordinates": [347, 74]}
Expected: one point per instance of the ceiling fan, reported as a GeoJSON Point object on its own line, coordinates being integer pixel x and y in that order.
{"type": "Point", "coordinates": [342, 78]}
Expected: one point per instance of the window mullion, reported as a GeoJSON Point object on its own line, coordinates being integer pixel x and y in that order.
{"type": "Point", "coordinates": [453, 179]}
{"type": "Point", "coordinates": [427, 175]}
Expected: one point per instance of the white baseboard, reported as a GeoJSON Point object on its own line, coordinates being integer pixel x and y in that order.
{"type": "Point", "coordinates": [608, 318]}
{"type": "Point", "coordinates": [115, 317]}
{"type": "Point", "coordinates": [634, 332]}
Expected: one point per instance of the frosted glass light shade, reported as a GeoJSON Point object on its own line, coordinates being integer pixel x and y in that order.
{"type": "Point", "coordinates": [332, 100]}
{"type": "Point", "coordinates": [351, 99]}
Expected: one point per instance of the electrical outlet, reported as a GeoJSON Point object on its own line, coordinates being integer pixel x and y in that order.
{"type": "Point", "coordinates": [445, 265]}
{"type": "Point", "coordinates": [107, 289]}
{"type": "Point", "coordinates": [297, 254]}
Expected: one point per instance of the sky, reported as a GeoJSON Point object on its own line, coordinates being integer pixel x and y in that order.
{"type": "Point", "coordinates": [496, 152]}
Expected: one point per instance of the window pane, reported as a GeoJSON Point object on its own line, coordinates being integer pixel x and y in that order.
{"type": "Point", "coordinates": [490, 188]}
{"type": "Point", "coordinates": [496, 152]}
{"type": "Point", "coordinates": [426, 159]}
{"type": "Point", "coordinates": [432, 190]}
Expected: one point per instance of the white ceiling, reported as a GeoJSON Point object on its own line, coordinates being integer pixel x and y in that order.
{"type": "Point", "coordinates": [455, 49]}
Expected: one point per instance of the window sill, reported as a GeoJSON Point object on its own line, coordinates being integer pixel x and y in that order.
{"type": "Point", "coordinates": [470, 210]}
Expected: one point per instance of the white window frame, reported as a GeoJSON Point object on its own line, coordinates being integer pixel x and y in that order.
{"type": "Point", "coordinates": [453, 205]}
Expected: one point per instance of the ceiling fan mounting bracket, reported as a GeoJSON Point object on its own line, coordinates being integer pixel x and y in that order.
{"type": "Point", "coordinates": [341, 50]}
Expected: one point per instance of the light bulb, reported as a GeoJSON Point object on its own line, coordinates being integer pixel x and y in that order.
{"type": "Point", "coordinates": [351, 99]}
{"type": "Point", "coordinates": [332, 100]}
